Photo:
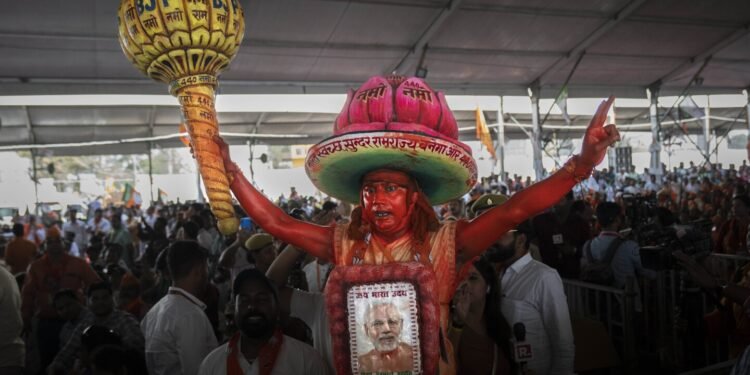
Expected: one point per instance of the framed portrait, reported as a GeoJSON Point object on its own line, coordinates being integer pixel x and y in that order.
{"type": "Point", "coordinates": [384, 319]}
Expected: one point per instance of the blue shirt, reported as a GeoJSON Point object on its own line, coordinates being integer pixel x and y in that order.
{"type": "Point", "coordinates": [626, 261]}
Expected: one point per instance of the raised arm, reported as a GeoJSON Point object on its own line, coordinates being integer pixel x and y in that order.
{"type": "Point", "coordinates": [474, 237]}
{"type": "Point", "coordinates": [229, 254]}
{"type": "Point", "coordinates": [279, 272]}
{"type": "Point", "coordinates": [313, 239]}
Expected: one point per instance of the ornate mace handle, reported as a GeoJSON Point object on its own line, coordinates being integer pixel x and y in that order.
{"type": "Point", "coordinates": [187, 44]}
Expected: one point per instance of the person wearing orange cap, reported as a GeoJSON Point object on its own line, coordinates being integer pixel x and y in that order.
{"type": "Point", "coordinates": [396, 152]}
{"type": "Point", "coordinates": [19, 252]}
{"type": "Point", "coordinates": [54, 271]}
{"type": "Point", "coordinates": [129, 298]}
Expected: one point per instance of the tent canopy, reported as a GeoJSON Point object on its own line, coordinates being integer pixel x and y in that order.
{"type": "Point", "coordinates": [469, 47]}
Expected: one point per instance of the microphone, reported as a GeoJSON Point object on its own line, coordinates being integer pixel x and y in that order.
{"type": "Point", "coordinates": [521, 349]}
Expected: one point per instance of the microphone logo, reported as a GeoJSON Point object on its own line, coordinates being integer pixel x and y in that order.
{"type": "Point", "coordinates": [521, 349]}
{"type": "Point", "coordinates": [523, 352]}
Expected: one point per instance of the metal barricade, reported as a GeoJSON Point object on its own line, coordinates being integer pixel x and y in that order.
{"type": "Point", "coordinates": [673, 311]}
{"type": "Point", "coordinates": [613, 307]}
{"type": "Point", "coordinates": [658, 331]}
{"type": "Point", "coordinates": [660, 295]}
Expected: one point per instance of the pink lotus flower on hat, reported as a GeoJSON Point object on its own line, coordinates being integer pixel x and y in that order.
{"type": "Point", "coordinates": [393, 123]}
{"type": "Point", "coordinates": [396, 103]}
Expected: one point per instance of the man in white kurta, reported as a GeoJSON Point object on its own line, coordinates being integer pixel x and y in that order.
{"type": "Point", "coordinates": [177, 331]}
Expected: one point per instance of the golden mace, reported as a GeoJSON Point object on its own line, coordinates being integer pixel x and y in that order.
{"type": "Point", "coordinates": [187, 43]}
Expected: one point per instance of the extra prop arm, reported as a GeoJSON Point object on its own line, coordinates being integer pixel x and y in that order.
{"type": "Point", "coordinates": [313, 239]}
{"type": "Point", "coordinates": [476, 236]}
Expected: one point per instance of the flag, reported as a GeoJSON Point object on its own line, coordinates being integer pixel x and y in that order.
{"type": "Point", "coordinates": [483, 133]}
{"type": "Point", "coordinates": [130, 196]}
{"type": "Point", "coordinates": [562, 103]}
{"type": "Point", "coordinates": [162, 198]}
{"type": "Point", "coordinates": [186, 139]}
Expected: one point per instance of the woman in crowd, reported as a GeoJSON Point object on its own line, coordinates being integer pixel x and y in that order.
{"type": "Point", "coordinates": [732, 234]}
{"type": "Point", "coordinates": [479, 332]}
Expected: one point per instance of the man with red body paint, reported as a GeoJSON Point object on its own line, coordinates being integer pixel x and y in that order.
{"type": "Point", "coordinates": [389, 197]}
{"type": "Point", "coordinates": [392, 203]}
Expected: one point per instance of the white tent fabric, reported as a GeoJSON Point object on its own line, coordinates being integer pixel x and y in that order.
{"type": "Point", "coordinates": [473, 47]}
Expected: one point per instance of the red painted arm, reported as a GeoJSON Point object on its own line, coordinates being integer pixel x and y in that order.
{"type": "Point", "coordinates": [313, 239]}
{"type": "Point", "coordinates": [474, 237]}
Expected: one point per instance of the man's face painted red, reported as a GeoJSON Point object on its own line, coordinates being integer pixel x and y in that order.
{"type": "Point", "coordinates": [388, 199]}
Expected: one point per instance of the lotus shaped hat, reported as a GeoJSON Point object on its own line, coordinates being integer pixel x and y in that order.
{"type": "Point", "coordinates": [393, 123]}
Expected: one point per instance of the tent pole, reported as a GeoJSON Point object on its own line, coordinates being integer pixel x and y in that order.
{"type": "Point", "coordinates": [716, 154]}
{"type": "Point", "coordinates": [707, 126]}
{"type": "Point", "coordinates": [501, 140]}
{"type": "Point", "coordinates": [36, 181]}
{"type": "Point", "coordinates": [150, 172]}
{"type": "Point", "coordinates": [655, 148]}
{"type": "Point", "coordinates": [536, 131]}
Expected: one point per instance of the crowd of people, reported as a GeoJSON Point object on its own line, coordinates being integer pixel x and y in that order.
{"type": "Point", "coordinates": [161, 291]}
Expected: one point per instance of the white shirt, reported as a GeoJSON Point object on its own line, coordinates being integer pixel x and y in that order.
{"type": "Point", "coordinates": [178, 334]}
{"type": "Point", "coordinates": [151, 220]}
{"type": "Point", "coordinates": [79, 229]}
{"type": "Point", "coordinates": [206, 239]}
{"type": "Point", "coordinates": [311, 309]}
{"type": "Point", "coordinates": [650, 187]}
{"type": "Point", "coordinates": [316, 275]}
{"type": "Point", "coordinates": [533, 294]}
{"type": "Point", "coordinates": [75, 251]}
{"type": "Point", "coordinates": [610, 193]}
{"type": "Point", "coordinates": [631, 189]}
{"type": "Point", "coordinates": [11, 324]}
{"type": "Point", "coordinates": [103, 226]}
{"type": "Point", "coordinates": [592, 184]}
{"type": "Point", "coordinates": [38, 233]}
{"type": "Point", "coordinates": [295, 358]}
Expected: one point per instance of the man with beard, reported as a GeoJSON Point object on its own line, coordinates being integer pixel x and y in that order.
{"type": "Point", "coordinates": [533, 294]}
{"type": "Point", "coordinates": [383, 325]}
{"type": "Point", "coordinates": [396, 182]}
{"type": "Point", "coordinates": [178, 332]}
{"type": "Point", "coordinates": [260, 347]}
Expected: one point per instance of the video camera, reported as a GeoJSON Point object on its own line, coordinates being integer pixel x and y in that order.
{"type": "Point", "coordinates": [638, 208]}
{"type": "Point", "coordinates": [659, 244]}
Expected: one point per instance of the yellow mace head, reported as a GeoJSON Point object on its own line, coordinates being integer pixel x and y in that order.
{"type": "Point", "coordinates": [169, 40]}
